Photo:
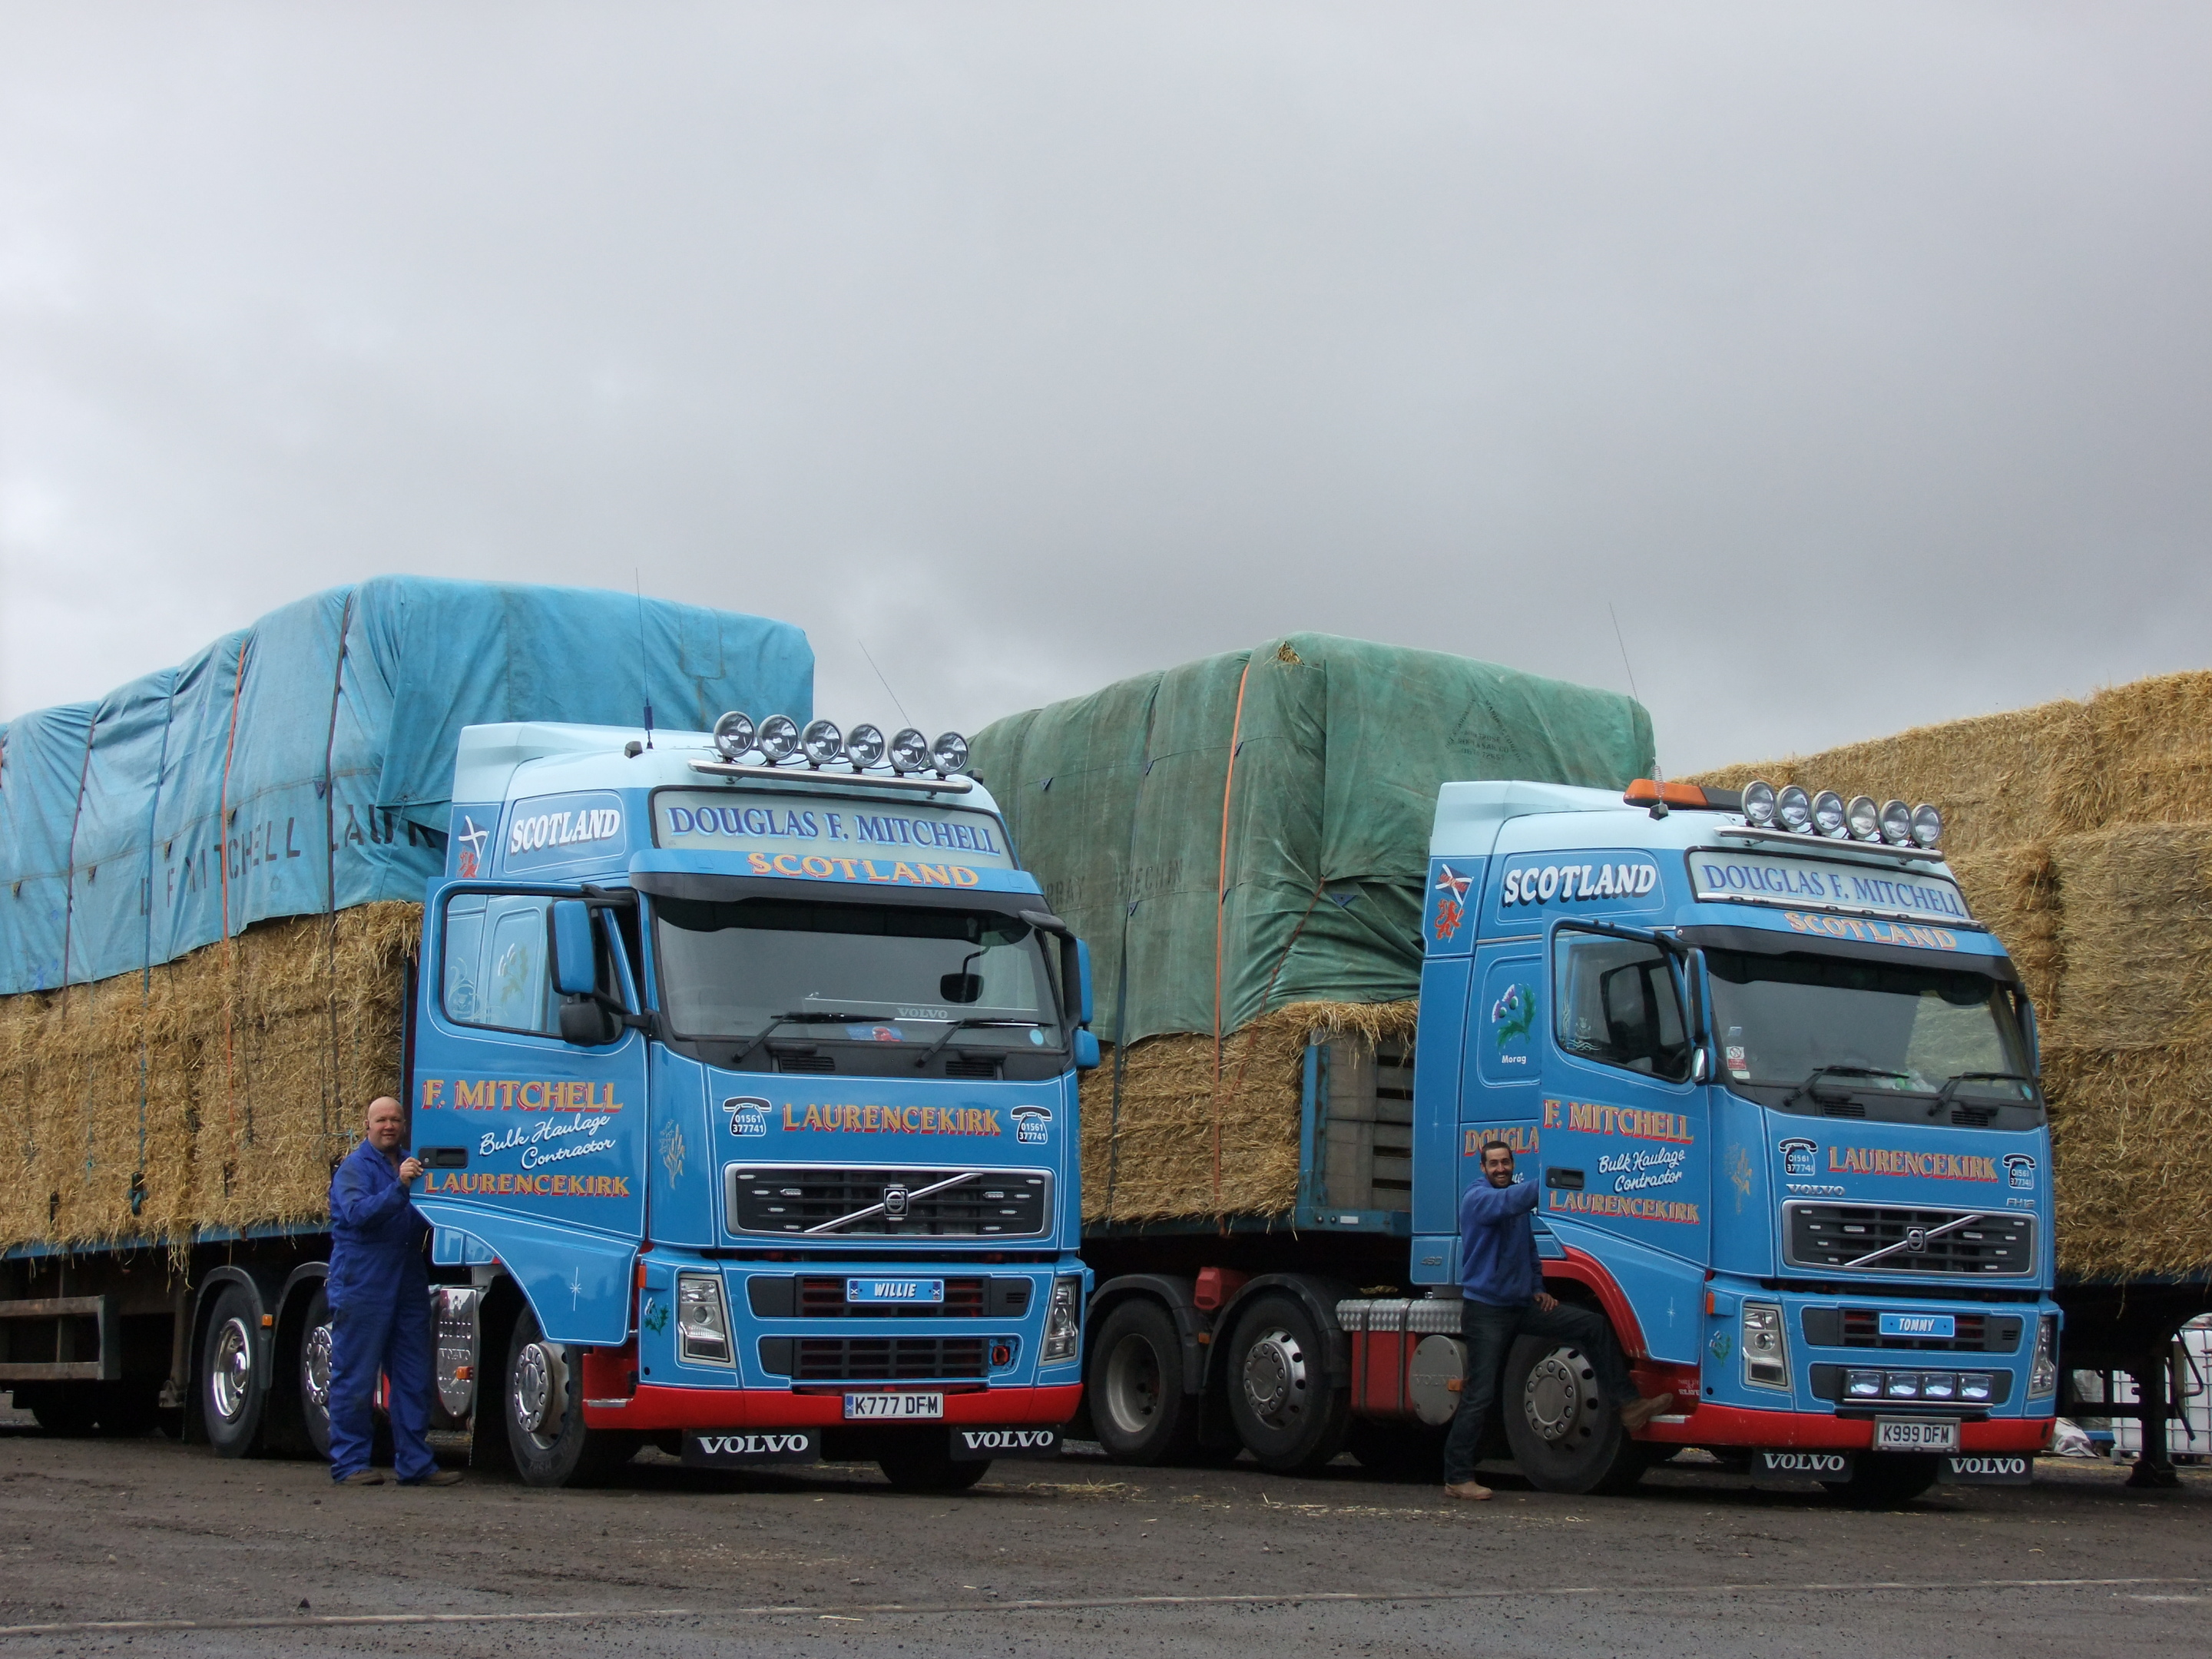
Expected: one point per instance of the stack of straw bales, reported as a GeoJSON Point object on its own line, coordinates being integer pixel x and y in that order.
{"type": "Point", "coordinates": [2081, 833]}
{"type": "Point", "coordinates": [215, 1091]}
{"type": "Point", "coordinates": [1179, 1143]}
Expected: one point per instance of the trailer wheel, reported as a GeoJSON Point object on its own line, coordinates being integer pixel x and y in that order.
{"type": "Point", "coordinates": [924, 1465]}
{"type": "Point", "coordinates": [1565, 1438]}
{"type": "Point", "coordinates": [1880, 1480]}
{"type": "Point", "coordinates": [313, 1381]}
{"type": "Point", "coordinates": [544, 1412]}
{"type": "Point", "coordinates": [1139, 1406]}
{"type": "Point", "coordinates": [234, 1375]}
{"type": "Point", "coordinates": [1289, 1417]}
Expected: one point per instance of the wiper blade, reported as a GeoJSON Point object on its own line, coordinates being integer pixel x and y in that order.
{"type": "Point", "coordinates": [1943, 1095]}
{"type": "Point", "coordinates": [957, 1025]}
{"type": "Point", "coordinates": [804, 1016]}
{"type": "Point", "coordinates": [1820, 1071]}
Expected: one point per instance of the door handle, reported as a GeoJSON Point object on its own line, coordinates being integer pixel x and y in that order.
{"type": "Point", "coordinates": [1571, 1180]}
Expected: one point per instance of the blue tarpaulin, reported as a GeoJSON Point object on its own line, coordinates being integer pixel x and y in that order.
{"type": "Point", "coordinates": [305, 763]}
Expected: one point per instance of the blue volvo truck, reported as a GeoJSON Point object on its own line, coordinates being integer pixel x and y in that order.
{"type": "Point", "coordinates": [1778, 1089]}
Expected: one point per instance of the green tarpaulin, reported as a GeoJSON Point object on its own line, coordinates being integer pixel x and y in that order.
{"type": "Point", "coordinates": [1313, 853]}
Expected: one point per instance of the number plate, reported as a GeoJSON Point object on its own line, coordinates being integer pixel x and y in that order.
{"type": "Point", "coordinates": [923, 1292]}
{"type": "Point", "coordinates": [901, 1408]}
{"type": "Point", "coordinates": [1916, 1434]}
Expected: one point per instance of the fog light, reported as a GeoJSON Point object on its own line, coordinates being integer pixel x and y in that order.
{"type": "Point", "coordinates": [702, 1323]}
{"type": "Point", "coordinates": [1864, 818]}
{"type": "Point", "coordinates": [822, 742]}
{"type": "Point", "coordinates": [1828, 814]}
{"type": "Point", "coordinates": [1902, 1385]}
{"type": "Point", "coordinates": [1927, 826]}
{"type": "Point", "coordinates": [1766, 1350]}
{"type": "Point", "coordinates": [733, 735]}
{"type": "Point", "coordinates": [1896, 822]}
{"type": "Point", "coordinates": [778, 738]}
{"type": "Point", "coordinates": [865, 745]}
{"type": "Point", "coordinates": [1939, 1385]}
{"type": "Point", "coordinates": [910, 752]}
{"type": "Point", "coordinates": [1793, 810]}
{"type": "Point", "coordinates": [1063, 1321]}
{"type": "Point", "coordinates": [1758, 802]}
{"type": "Point", "coordinates": [1974, 1385]}
{"type": "Point", "coordinates": [1862, 1385]}
{"type": "Point", "coordinates": [2043, 1374]}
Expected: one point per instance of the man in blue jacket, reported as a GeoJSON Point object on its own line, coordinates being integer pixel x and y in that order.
{"type": "Point", "coordinates": [380, 1294]}
{"type": "Point", "coordinates": [1504, 1285]}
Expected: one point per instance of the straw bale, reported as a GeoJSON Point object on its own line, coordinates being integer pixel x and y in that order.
{"type": "Point", "coordinates": [218, 1090]}
{"type": "Point", "coordinates": [1153, 1159]}
{"type": "Point", "coordinates": [2131, 1135]}
{"type": "Point", "coordinates": [2015, 891]}
{"type": "Point", "coordinates": [2135, 933]}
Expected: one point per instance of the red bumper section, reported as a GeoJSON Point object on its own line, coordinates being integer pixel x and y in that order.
{"type": "Point", "coordinates": [656, 1406]}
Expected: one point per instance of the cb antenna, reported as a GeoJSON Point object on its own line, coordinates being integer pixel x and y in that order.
{"type": "Point", "coordinates": [645, 696]}
{"type": "Point", "coordinates": [1658, 773]}
{"type": "Point", "coordinates": [888, 692]}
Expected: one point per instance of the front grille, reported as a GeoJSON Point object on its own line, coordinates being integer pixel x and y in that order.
{"type": "Point", "coordinates": [824, 1298]}
{"type": "Point", "coordinates": [1861, 1327]}
{"type": "Point", "coordinates": [873, 1358]}
{"type": "Point", "coordinates": [1832, 1236]}
{"type": "Point", "coordinates": [888, 1202]}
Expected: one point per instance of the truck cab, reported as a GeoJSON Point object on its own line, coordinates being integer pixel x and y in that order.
{"type": "Point", "coordinates": [1779, 1090]}
{"type": "Point", "coordinates": [744, 1070]}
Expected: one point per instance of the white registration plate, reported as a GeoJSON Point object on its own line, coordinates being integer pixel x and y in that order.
{"type": "Point", "coordinates": [895, 1408]}
{"type": "Point", "coordinates": [1916, 1434]}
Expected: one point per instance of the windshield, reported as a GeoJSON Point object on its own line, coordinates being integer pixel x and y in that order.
{"type": "Point", "coordinates": [1780, 1018]}
{"type": "Point", "coordinates": [880, 973]}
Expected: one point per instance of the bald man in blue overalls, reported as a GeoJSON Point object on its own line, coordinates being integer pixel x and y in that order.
{"type": "Point", "coordinates": [379, 1293]}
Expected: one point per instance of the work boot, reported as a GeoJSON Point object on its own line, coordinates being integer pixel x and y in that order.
{"type": "Point", "coordinates": [1470, 1489]}
{"type": "Point", "coordinates": [1638, 1412]}
{"type": "Point", "coordinates": [436, 1477]}
{"type": "Point", "coordinates": [362, 1478]}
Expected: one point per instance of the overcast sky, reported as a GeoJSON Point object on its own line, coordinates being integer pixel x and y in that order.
{"type": "Point", "coordinates": [1859, 357]}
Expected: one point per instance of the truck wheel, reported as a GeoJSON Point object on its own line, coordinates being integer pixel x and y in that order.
{"type": "Point", "coordinates": [313, 1383]}
{"type": "Point", "coordinates": [1563, 1436]}
{"type": "Point", "coordinates": [1138, 1405]}
{"type": "Point", "coordinates": [234, 1375]}
{"type": "Point", "coordinates": [924, 1466]}
{"type": "Point", "coordinates": [544, 1414]}
{"type": "Point", "coordinates": [1879, 1480]}
{"type": "Point", "coordinates": [1279, 1398]}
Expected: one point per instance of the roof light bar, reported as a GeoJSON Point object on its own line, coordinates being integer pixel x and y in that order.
{"type": "Point", "coordinates": [778, 740]}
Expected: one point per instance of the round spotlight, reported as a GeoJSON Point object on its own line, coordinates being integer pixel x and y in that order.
{"type": "Point", "coordinates": [822, 742]}
{"type": "Point", "coordinates": [1897, 823]}
{"type": "Point", "coordinates": [778, 738]}
{"type": "Point", "coordinates": [1927, 826]}
{"type": "Point", "coordinates": [1828, 814]}
{"type": "Point", "coordinates": [1864, 818]}
{"type": "Point", "coordinates": [950, 752]}
{"type": "Point", "coordinates": [1758, 802]}
{"type": "Point", "coordinates": [864, 745]}
{"type": "Point", "coordinates": [733, 735]}
{"type": "Point", "coordinates": [910, 752]}
{"type": "Point", "coordinates": [1793, 810]}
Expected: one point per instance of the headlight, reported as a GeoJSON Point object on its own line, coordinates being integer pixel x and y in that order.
{"type": "Point", "coordinates": [2043, 1374]}
{"type": "Point", "coordinates": [865, 745]}
{"type": "Point", "coordinates": [1793, 810]}
{"type": "Point", "coordinates": [1862, 1385]}
{"type": "Point", "coordinates": [822, 742]}
{"type": "Point", "coordinates": [1828, 814]}
{"type": "Point", "coordinates": [1063, 1320]}
{"type": "Point", "coordinates": [1765, 1349]}
{"type": "Point", "coordinates": [703, 1322]}
{"type": "Point", "coordinates": [1975, 1386]}
{"type": "Point", "coordinates": [950, 752]}
{"type": "Point", "coordinates": [733, 735]}
{"type": "Point", "coordinates": [1758, 802]}
{"type": "Point", "coordinates": [1903, 1385]}
{"type": "Point", "coordinates": [1939, 1385]}
{"type": "Point", "coordinates": [1927, 826]}
{"type": "Point", "coordinates": [778, 738]}
{"type": "Point", "coordinates": [1896, 822]}
{"type": "Point", "coordinates": [910, 752]}
{"type": "Point", "coordinates": [1864, 818]}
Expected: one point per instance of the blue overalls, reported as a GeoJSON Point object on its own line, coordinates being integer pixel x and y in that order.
{"type": "Point", "coordinates": [380, 1294]}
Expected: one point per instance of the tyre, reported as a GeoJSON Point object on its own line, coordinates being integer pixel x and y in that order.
{"type": "Point", "coordinates": [312, 1386]}
{"type": "Point", "coordinates": [544, 1407]}
{"type": "Point", "coordinates": [1563, 1436]}
{"type": "Point", "coordinates": [1139, 1406]}
{"type": "Point", "coordinates": [234, 1374]}
{"type": "Point", "coordinates": [1286, 1412]}
{"type": "Point", "coordinates": [1880, 1480]}
{"type": "Point", "coordinates": [924, 1465]}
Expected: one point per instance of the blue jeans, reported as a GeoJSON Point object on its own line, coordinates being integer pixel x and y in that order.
{"type": "Point", "coordinates": [391, 1333]}
{"type": "Point", "coordinates": [1488, 1334]}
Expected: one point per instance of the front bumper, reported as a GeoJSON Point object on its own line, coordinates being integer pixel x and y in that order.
{"type": "Point", "coordinates": [1714, 1424]}
{"type": "Point", "coordinates": [656, 1406]}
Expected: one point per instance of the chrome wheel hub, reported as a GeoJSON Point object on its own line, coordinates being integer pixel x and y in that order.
{"type": "Point", "coordinates": [536, 1392]}
{"type": "Point", "coordinates": [232, 1374]}
{"type": "Point", "coordinates": [315, 1369]}
{"type": "Point", "coordinates": [1274, 1378]}
{"type": "Point", "coordinates": [1560, 1402]}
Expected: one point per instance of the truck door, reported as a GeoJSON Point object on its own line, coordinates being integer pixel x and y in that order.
{"type": "Point", "coordinates": [536, 1147]}
{"type": "Point", "coordinates": [1625, 1165]}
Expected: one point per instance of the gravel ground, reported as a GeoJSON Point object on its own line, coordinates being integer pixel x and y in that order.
{"type": "Point", "coordinates": [144, 1545]}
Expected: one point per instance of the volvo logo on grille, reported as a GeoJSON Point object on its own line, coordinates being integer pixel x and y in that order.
{"type": "Point", "coordinates": [1915, 1239]}
{"type": "Point", "coordinates": [895, 1201]}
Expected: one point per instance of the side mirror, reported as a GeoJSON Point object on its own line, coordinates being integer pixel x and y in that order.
{"type": "Point", "coordinates": [1083, 987]}
{"type": "Point", "coordinates": [588, 1024]}
{"type": "Point", "coordinates": [1086, 1051]}
{"type": "Point", "coordinates": [575, 963]}
{"type": "Point", "coordinates": [960, 987]}
{"type": "Point", "coordinates": [1701, 1066]}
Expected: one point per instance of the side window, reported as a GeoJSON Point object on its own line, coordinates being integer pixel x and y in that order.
{"type": "Point", "coordinates": [495, 962]}
{"type": "Point", "coordinates": [1617, 1005]}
